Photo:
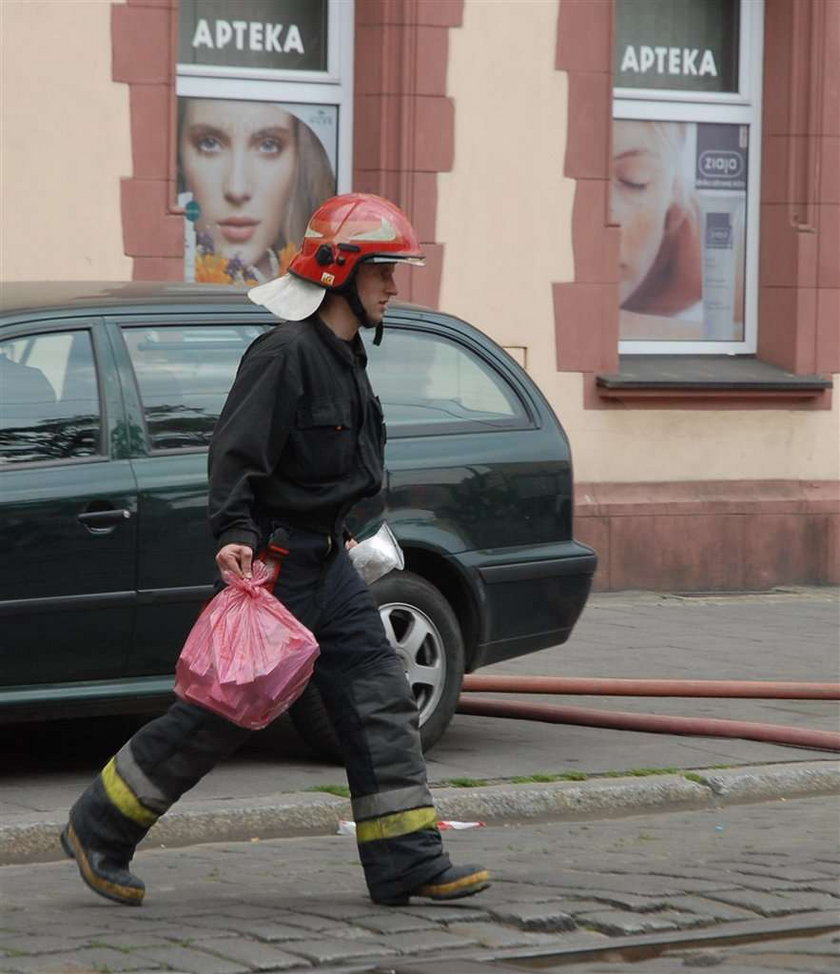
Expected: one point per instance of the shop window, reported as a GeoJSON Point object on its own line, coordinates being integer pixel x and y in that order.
{"type": "Point", "coordinates": [685, 174]}
{"type": "Point", "coordinates": [264, 129]}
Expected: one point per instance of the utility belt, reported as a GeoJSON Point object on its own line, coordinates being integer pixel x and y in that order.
{"type": "Point", "coordinates": [278, 545]}
{"type": "Point", "coordinates": [328, 521]}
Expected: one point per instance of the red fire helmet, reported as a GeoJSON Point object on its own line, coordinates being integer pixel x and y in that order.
{"type": "Point", "coordinates": [342, 233]}
{"type": "Point", "coordinates": [348, 230]}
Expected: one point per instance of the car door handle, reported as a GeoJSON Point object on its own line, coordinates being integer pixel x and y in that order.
{"type": "Point", "coordinates": [99, 519]}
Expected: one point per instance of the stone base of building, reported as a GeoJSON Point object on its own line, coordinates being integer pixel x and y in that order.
{"type": "Point", "coordinates": [734, 535]}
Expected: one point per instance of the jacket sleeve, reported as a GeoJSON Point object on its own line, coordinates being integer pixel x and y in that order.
{"type": "Point", "coordinates": [249, 439]}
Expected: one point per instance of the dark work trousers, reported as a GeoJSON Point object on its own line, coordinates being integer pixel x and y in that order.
{"type": "Point", "coordinates": [369, 702]}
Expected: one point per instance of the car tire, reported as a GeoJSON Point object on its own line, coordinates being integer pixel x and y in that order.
{"type": "Point", "coordinates": [424, 631]}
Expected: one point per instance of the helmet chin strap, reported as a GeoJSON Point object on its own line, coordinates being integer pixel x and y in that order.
{"type": "Point", "coordinates": [351, 296]}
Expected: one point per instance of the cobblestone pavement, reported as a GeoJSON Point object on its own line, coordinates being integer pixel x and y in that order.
{"type": "Point", "coordinates": [298, 904]}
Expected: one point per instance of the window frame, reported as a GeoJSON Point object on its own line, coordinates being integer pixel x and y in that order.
{"type": "Point", "coordinates": [743, 107]}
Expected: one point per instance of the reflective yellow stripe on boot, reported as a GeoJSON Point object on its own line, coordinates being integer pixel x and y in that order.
{"type": "Point", "coordinates": [399, 823]}
{"type": "Point", "coordinates": [124, 798]}
{"type": "Point", "coordinates": [131, 895]}
{"type": "Point", "coordinates": [452, 890]}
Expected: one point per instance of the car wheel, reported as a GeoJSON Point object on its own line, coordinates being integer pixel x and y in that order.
{"type": "Point", "coordinates": [423, 630]}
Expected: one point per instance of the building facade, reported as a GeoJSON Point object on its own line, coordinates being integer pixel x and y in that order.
{"type": "Point", "coordinates": [639, 199]}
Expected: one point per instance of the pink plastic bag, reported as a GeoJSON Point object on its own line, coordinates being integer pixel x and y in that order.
{"type": "Point", "coordinates": [247, 658]}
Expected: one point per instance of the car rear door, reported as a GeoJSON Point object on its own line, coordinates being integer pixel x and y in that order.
{"type": "Point", "coordinates": [176, 371]}
{"type": "Point", "coordinates": [69, 509]}
{"type": "Point", "coordinates": [469, 457]}
{"type": "Point", "coordinates": [479, 472]}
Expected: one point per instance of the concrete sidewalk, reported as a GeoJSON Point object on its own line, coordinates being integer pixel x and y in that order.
{"type": "Point", "coordinates": [274, 787]}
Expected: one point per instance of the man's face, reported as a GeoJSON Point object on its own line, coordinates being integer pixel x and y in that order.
{"type": "Point", "coordinates": [376, 286]}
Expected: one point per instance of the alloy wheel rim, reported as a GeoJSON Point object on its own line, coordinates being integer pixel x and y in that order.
{"type": "Point", "coordinates": [419, 646]}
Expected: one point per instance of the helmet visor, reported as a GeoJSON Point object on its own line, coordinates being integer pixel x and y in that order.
{"type": "Point", "coordinates": [416, 260]}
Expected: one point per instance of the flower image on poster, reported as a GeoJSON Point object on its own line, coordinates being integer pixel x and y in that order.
{"type": "Point", "coordinates": [250, 175]}
{"type": "Point", "coordinates": [679, 194]}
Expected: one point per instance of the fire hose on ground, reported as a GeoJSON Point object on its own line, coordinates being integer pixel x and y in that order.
{"type": "Point", "coordinates": [651, 723]}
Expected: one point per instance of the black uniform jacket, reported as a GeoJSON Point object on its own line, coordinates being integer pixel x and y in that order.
{"type": "Point", "coordinates": [300, 438]}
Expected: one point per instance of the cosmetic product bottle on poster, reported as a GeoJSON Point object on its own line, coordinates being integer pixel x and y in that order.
{"type": "Point", "coordinates": [723, 215]}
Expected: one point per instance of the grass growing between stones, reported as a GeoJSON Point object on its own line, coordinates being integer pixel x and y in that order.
{"type": "Point", "coordinates": [342, 791]}
{"type": "Point", "coordinates": [105, 944]}
{"type": "Point", "coordinates": [584, 776]}
{"type": "Point", "coordinates": [541, 778]}
{"type": "Point", "coordinates": [465, 783]}
{"type": "Point", "coordinates": [548, 777]}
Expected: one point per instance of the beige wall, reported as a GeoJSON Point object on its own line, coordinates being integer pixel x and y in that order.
{"type": "Point", "coordinates": [505, 236]}
{"type": "Point", "coordinates": [504, 217]}
{"type": "Point", "coordinates": [65, 143]}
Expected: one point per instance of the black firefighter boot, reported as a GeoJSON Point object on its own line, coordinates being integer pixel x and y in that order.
{"type": "Point", "coordinates": [102, 840]}
{"type": "Point", "coordinates": [453, 883]}
{"type": "Point", "coordinates": [105, 871]}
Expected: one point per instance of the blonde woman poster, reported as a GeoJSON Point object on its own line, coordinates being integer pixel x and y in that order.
{"type": "Point", "coordinates": [253, 172]}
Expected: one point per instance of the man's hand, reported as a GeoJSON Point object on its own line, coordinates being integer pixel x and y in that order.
{"type": "Point", "coordinates": [235, 558]}
{"type": "Point", "coordinates": [350, 543]}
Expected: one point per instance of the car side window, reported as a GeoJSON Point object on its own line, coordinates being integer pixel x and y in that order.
{"type": "Point", "coordinates": [49, 398]}
{"type": "Point", "coordinates": [184, 373]}
{"type": "Point", "coordinates": [431, 384]}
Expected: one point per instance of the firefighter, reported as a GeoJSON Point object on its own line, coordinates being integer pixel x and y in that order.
{"type": "Point", "coordinates": [299, 441]}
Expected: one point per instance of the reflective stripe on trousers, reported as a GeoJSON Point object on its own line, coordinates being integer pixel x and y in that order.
{"type": "Point", "coordinates": [369, 702]}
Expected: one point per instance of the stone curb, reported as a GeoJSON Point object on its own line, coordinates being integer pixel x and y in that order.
{"type": "Point", "coordinates": [289, 815]}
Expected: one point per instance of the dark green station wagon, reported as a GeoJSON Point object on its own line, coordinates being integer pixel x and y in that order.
{"type": "Point", "coordinates": [108, 398]}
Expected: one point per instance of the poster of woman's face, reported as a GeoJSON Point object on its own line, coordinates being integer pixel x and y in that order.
{"type": "Point", "coordinates": [679, 195]}
{"type": "Point", "coordinates": [252, 173]}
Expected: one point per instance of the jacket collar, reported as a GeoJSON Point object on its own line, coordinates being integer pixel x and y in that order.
{"type": "Point", "coordinates": [348, 352]}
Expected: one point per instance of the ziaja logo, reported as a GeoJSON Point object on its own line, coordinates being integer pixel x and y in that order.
{"type": "Point", "coordinates": [721, 162]}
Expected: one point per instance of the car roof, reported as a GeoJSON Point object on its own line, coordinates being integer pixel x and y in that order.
{"type": "Point", "coordinates": [28, 296]}
{"type": "Point", "coordinates": [25, 301]}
